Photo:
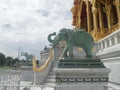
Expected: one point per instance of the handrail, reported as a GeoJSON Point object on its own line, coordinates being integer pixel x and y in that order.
{"type": "Point", "coordinates": [40, 69]}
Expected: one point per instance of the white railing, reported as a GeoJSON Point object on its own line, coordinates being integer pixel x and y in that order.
{"type": "Point", "coordinates": [10, 80]}
{"type": "Point", "coordinates": [10, 77]}
{"type": "Point", "coordinates": [108, 50]}
{"type": "Point", "coordinates": [109, 41]}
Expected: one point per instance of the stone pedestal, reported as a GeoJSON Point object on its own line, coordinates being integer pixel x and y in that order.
{"type": "Point", "coordinates": [91, 78]}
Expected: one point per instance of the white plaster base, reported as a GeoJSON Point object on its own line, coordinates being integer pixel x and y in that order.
{"type": "Point", "coordinates": [81, 78]}
{"type": "Point", "coordinates": [79, 87]}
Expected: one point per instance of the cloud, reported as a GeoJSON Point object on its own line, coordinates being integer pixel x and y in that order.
{"type": "Point", "coordinates": [27, 23]}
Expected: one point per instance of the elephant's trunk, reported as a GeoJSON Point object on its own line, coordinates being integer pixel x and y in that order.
{"type": "Point", "coordinates": [49, 37]}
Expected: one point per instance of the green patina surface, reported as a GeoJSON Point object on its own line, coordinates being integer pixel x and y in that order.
{"type": "Point", "coordinates": [73, 38]}
{"type": "Point", "coordinates": [78, 38]}
{"type": "Point", "coordinates": [80, 63]}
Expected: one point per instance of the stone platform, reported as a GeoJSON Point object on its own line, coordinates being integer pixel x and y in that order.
{"type": "Point", "coordinates": [81, 75]}
{"type": "Point", "coordinates": [80, 63]}
{"type": "Point", "coordinates": [81, 78]}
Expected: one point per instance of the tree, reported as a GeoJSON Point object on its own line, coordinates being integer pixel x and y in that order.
{"type": "Point", "coordinates": [16, 63]}
{"type": "Point", "coordinates": [9, 61]}
{"type": "Point", "coordinates": [2, 59]}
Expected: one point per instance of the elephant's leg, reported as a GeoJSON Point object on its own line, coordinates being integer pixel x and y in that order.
{"type": "Point", "coordinates": [70, 47]}
{"type": "Point", "coordinates": [65, 52]}
{"type": "Point", "coordinates": [88, 52]}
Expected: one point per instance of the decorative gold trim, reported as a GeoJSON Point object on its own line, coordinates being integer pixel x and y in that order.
{"type": "Point", "coordinates": [103, 32]}
{"type": "Point", "coordinates": [40, 69]}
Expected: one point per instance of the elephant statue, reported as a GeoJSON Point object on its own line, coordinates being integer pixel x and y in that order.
{"type": "Point", "coordinates": [27, 56]}
{"type": "Point", "coordinates": [78, 38]}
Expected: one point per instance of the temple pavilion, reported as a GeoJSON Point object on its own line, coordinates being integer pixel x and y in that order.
{"type": "Point", "coordinates": [98, 17]}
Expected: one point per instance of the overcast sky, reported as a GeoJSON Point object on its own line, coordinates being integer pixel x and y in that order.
{"type": "Point", "coordinates": [27, 23]}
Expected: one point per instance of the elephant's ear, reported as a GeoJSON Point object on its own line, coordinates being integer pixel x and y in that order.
{"type": "Point", "coordinates": [68, 32]}
{"type": "Point", "coordinates": [62, 32]}
{"type": "Point", "coordinates": [65, 31]}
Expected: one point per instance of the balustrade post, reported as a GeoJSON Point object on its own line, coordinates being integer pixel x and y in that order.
{"type": "Point", "coordinates": [110, 42]}
{"type": "Point", "coordinates": [7, 79]}
{"type": "Point", "coordinates": [101, 45]}
{"type": "Point", "coordinates": [98, 46]}
{"type": "Point", "coordinates": [118, 34]}
{"type": "Point", "coordinates": [105, 42]}
{"type": "Point", "coordinates": [115, 39]}
{"type": "Point", "coordinates": [5, 87]}
{"type": "Point", "coordinates": [4, 79]}
{"type": "Point", "coordinates": [41, 88]}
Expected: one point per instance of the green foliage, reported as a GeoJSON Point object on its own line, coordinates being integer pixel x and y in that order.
{"type": "Point", "coordinates": [7, 62]}
{"type": "Point", "coordinates": [2, 59]}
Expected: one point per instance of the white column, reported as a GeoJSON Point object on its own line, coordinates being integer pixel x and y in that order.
{"type": "Point", "coordinates": [117, 4]}
{"type": "Point", "coordinates": [100, 16]}
{"type": "Point", "coordinates": [94, 11]}
{"type": "Point", "coordinates": [88, 16]}
{"type": "Point", "coordinates": [107, 10]}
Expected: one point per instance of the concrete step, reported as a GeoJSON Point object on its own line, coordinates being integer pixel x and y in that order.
{"type": "Point", "coordinates": [54, 66]}
{"type": "Point", "coordinates": [49, 84]}
{"type": "Point", "coordinates": [55, 62]}
{"type": "Point", "coordinates": [49, 81]}
{"type": "Point", "coordinates": [51, 69]}
{"type": "Point", "coordinates": [51, 76]}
